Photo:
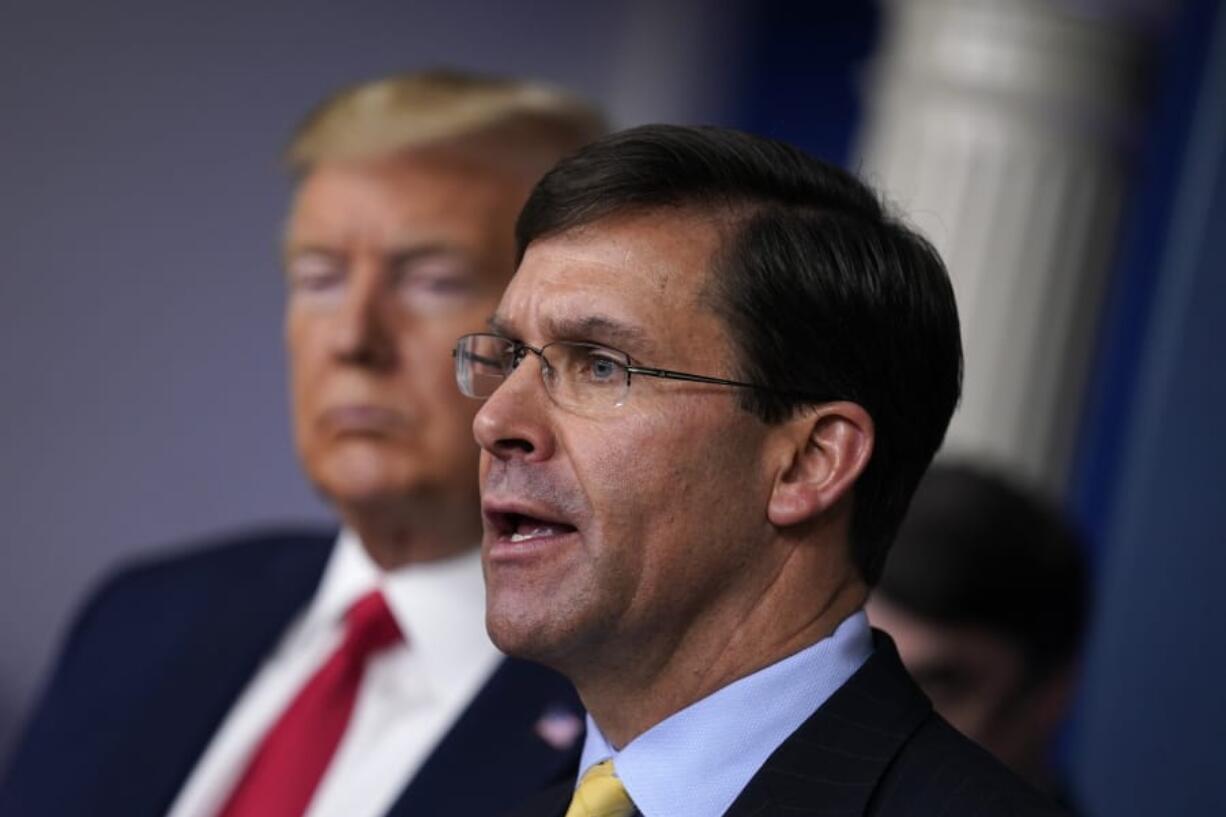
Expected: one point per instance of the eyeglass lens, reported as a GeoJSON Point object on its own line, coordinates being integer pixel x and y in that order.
{"type": "Point", "coordinates": [576, 375]}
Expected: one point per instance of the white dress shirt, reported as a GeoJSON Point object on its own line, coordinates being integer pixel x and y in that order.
{"type": "Point", "coordinates": [410, 695]}
{"type": "Point", "coordinates": [695, 762]}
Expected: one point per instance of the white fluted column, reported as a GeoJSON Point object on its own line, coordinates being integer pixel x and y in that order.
{"type": "Point", "coordinates": [999, 128]}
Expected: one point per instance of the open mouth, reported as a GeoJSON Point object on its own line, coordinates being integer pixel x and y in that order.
{"type": "Point", "coordinates": [518, 527]}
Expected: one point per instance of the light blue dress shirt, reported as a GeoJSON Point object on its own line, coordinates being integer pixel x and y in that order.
{"type": "Point", "coordinates": [695, 762]}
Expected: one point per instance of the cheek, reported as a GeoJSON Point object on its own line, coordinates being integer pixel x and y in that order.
{"type": "Point", "coordinates": [678, 459]}
{"type": "Point", "coordinates": [303, 392]}
{"type": "Point", "coordinates": [682, 499]}
{"type": "Point", "coordinates": [452, 436]}
{"type": "Point", "coordinates": [444, 415]}
{"type": "Point", "coordinates": [643, 479]}
{"type": "Point", "coordinates": [428, 380]}
{"type": "Point", "coordinates": [304, 354]}
{"type": "Point", "coordinates": [426, 348]}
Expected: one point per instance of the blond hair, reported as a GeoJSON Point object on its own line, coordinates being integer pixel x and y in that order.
{"type": "Point", "coordinates": [406, 111]}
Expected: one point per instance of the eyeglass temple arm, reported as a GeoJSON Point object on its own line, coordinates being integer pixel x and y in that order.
{"type": "Point", "coordinates": [669, 374]}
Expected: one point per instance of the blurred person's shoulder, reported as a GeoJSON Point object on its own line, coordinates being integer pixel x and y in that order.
{"type": "Point", "coordinates": [207, 574]}
{"type": "Point", "coordinates": [204, 558]}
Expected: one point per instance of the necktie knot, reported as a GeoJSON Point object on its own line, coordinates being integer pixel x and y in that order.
{"type": "Point", "coordinates": [370, 626]}
{"type": "Point", "coordinates": [600, 794]}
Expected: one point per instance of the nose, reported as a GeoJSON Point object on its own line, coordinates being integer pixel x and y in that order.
{"type": "Point", "coordinates": [514, 422]}
{"type": "Point", "coordinates": [364, 331]}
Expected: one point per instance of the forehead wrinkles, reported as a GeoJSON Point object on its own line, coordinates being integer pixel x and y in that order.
{"type": "Point", "coordinates": [543, 315]}
{"type": "Point", "coordinates": [646, 270]}
{"type": "Point", "coordinates": [662, 256]}
{"type": "Point", "coordinates": [621, 255]}
{"type": "Point", "coordinates": [577, 303]}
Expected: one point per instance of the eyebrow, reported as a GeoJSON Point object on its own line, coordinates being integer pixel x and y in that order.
{"type": "Point", "coordinates": [602, 329]}
{"type": "Point", "coordinates": [427, 252]}
{"type": "Point", "coordinates": [395, 257]}
{"type": "Point", "coordinates": [291, 251]}
{"type": "Point", "coordinates": [406, 250]}
{"type": "Point", "coordinates": [499, 326]}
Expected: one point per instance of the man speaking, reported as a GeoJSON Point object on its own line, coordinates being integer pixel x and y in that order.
{"type": "Point", "coordinates": [710, 390]}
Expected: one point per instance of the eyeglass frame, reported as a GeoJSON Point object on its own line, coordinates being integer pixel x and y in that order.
{"type": "Point", "coordinates": [519, 347]}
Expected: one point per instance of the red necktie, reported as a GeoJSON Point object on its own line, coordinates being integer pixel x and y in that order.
{"type": "Point", "coordinates": [288, 765]}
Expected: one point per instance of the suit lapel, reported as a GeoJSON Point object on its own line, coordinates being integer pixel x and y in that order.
{"type": "Point", "coordinates": [833, 763]}
{"type": "Point", "coordinates": [520, 734]}
{"type": "Point", "coordinates": [232, 616]}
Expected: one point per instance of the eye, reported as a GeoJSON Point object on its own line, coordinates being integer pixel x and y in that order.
{"type": "Point", "coordinates": [435, 284]}
{"type": "Point", "coordinates": [603, 369]}
{"type": "Point", "coordinates": [315, 272]}
{"type": "Point", "coordinates": [602, 366]}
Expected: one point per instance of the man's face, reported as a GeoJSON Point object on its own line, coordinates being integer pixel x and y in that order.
{"type": "Point", "coordinates": [622, 527]}
{"type": "Point", "coordinates": [387, 263]}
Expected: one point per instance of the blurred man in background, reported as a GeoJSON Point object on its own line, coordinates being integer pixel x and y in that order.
{"type": "Point", "coordinates": [340, 674]}
{"type": "Point", "coordinates": [985, 594]}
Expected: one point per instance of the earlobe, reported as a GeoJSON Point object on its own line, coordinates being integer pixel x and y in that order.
{"type": "Point", "coordinates": [832, 446]}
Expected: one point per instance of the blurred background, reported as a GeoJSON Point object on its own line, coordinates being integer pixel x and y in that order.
{"type": "Point", "coordinates": [1066, 157]}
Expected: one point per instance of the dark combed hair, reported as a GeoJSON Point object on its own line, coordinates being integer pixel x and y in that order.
{"type": "Point", "coordinates": [977, 549]}
{"type": "Point", "coordinates": [823, 291]}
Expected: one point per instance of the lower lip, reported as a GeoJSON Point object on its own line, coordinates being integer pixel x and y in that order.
{"type": "Point", "coordinates": [501, 550]}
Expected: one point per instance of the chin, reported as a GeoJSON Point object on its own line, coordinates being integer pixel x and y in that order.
{"type": "Point", "coordinates": [356, 476]}
{"type": "Point", "coordinates": [523, 635]}
{"type": "Point", "coordinates": [512, 634]}
{"type": "Point", "coordinates": [539, 626]}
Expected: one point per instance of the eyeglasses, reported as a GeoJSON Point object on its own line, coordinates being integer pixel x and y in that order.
{"type": "Point", "coordinates": [583, 377]}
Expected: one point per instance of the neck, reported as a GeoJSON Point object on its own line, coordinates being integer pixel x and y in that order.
{"type": "Point", "coordinates": [629, 691]}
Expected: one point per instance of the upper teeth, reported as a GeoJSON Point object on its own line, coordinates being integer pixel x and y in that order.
{"type": "Point", "coordinates": [531, 534]}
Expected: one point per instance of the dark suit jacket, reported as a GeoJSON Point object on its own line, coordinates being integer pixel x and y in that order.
{"type": "Point", "coordinates": [874, 748]}
{"type": "Point", "coordinates": [156, 659]}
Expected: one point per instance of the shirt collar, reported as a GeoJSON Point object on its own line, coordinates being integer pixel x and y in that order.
{"type": "Point", "coordinates": [439, 605]}
{"type": "Point", "coordinates": [695, 762]}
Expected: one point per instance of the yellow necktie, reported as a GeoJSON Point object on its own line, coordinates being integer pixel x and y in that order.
{"type": "Point", "coordinates": [600, 794]}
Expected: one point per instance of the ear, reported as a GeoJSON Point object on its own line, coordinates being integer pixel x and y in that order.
{"type": "Point", "coordinates": [830, 447]}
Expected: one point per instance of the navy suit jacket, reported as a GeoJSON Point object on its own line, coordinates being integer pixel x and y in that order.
{"type": "Point", "coordinates": [157, 658]}
{"type": "Point", "coordinates": [876, 748]}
